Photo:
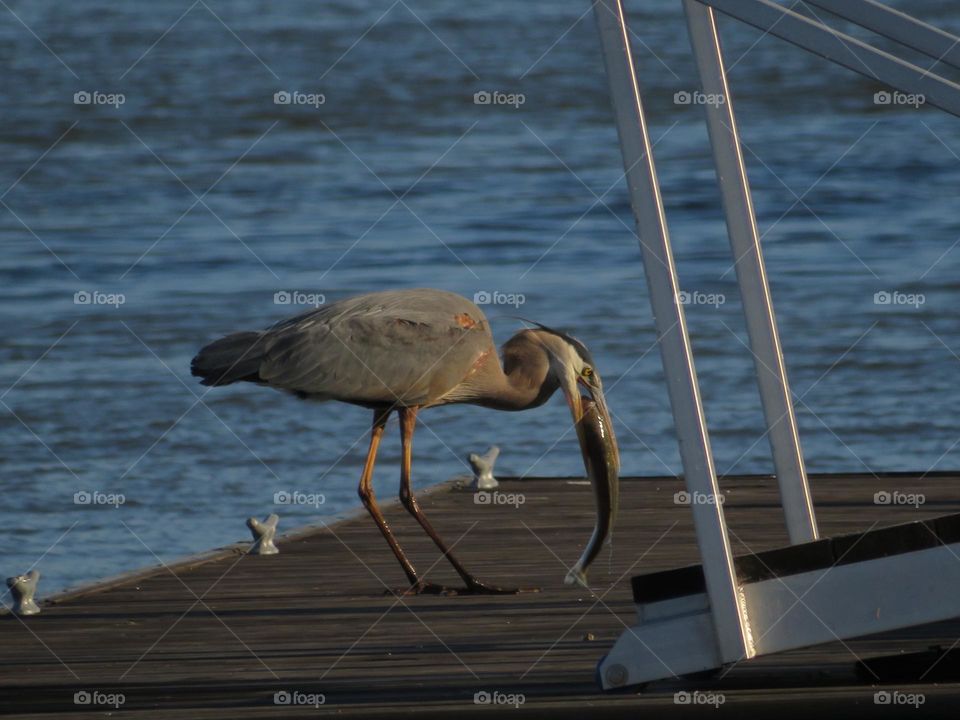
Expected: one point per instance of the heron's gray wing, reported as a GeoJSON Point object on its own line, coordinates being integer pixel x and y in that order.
{"type": "Point", "coordinates": [382, 348]}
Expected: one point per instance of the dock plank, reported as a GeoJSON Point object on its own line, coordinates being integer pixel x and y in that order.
{"type": "Point", "coordinates": [217, 638]}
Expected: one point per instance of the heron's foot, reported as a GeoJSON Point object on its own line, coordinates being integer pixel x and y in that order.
{"type": "Point", "coordinates": [421, 587]}
{"type": "Point", "coordinates": [476, 587]}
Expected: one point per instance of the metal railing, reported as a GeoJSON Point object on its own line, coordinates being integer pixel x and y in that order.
{"type": "Point", "coordinates": [672, 336]}
{"type": "Point", "coordinates": [861, 57]}
{"type": "Point", "coordinates": [733, 640]}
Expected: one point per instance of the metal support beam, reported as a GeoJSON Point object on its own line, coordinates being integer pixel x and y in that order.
{"type": "Point", "coordinates": [843, 49]}
{"type": "Point", "coordinates": [752, 276]}
{"type": "Point", "coordinates": [896, 25]}
{"type": "Point", "coordinates": [831, 604]}
{"type": "Point", "coordinates": [673, 339]}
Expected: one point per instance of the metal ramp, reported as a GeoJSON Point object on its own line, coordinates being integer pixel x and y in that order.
{"type": "Point", "coordinates": [729, 609]}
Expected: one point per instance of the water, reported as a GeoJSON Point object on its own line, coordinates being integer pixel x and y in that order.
{"type": "Point", "coordinates": [526, 199]}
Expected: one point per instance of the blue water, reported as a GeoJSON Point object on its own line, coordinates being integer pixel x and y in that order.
{"type": "Point", "coordinates": [526, 200]}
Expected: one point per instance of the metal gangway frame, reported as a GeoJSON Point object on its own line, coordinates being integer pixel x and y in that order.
{"type": "Point", "coordinates": [730, 609]}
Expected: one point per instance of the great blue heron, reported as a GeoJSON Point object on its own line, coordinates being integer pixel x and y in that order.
{"type": "Point", "coordinates": [406, 350]}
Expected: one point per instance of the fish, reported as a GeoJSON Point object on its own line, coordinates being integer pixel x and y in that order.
{"type": "Point", "coordinates": [601, 459]}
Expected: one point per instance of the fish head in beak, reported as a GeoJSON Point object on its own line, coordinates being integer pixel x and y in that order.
{"type": "Point", "coordinates": [576, 380]}
{"type": "Point", "coordinates": [573, 370]}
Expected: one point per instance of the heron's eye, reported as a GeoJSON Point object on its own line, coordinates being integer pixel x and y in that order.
{"type": "Point", "coordinates": [587, 371]}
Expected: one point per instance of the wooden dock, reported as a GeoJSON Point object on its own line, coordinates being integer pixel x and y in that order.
{"type": "Point", "coordinates": [229, 635]}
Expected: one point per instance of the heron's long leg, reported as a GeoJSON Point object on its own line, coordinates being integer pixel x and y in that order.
{"type": "Point", "coordinates": [369, 499]}
{"type": "Point", "coordinates": [408, 419]}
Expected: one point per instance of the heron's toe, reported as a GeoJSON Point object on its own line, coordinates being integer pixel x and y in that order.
{"type": "Point", "coordinates": [422, 587]}
{"type": "Point", "coordinates": [482, 588]}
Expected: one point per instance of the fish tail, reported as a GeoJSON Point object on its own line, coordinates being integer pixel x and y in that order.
{"type": "Point", "coordinates": [576, 576]}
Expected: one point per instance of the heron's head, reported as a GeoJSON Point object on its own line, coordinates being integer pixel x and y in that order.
{"type": "Point", "coordinates": [574, 371]}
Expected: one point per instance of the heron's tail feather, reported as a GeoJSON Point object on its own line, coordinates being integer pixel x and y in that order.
{"type": "Point", "coordinates": [230, 359]}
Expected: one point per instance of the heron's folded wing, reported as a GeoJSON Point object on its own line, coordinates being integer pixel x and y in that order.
{"type": "Point", "coordinates": [389, 355]}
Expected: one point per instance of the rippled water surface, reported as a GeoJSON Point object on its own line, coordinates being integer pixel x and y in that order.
{"type": "Point", "coordinates": [199, 198]}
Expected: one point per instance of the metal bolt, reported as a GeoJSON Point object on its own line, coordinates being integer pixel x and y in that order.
{"type": "Point", "coordinates": [616, 675]}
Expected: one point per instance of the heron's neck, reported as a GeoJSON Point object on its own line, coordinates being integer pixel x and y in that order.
{"type": "Point", "coordinates": [522, 382]}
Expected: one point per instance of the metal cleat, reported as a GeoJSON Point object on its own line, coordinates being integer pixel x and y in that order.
{"type": "Point", "coordinates": [263, 534]}
{"type": "Point", "coordinates": [23, 588]}
{"type": "Point", "coordinates": [482, 465]}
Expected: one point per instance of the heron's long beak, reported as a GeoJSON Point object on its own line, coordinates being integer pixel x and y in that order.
{"type": "Point", "coordinates": [571, 390]}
